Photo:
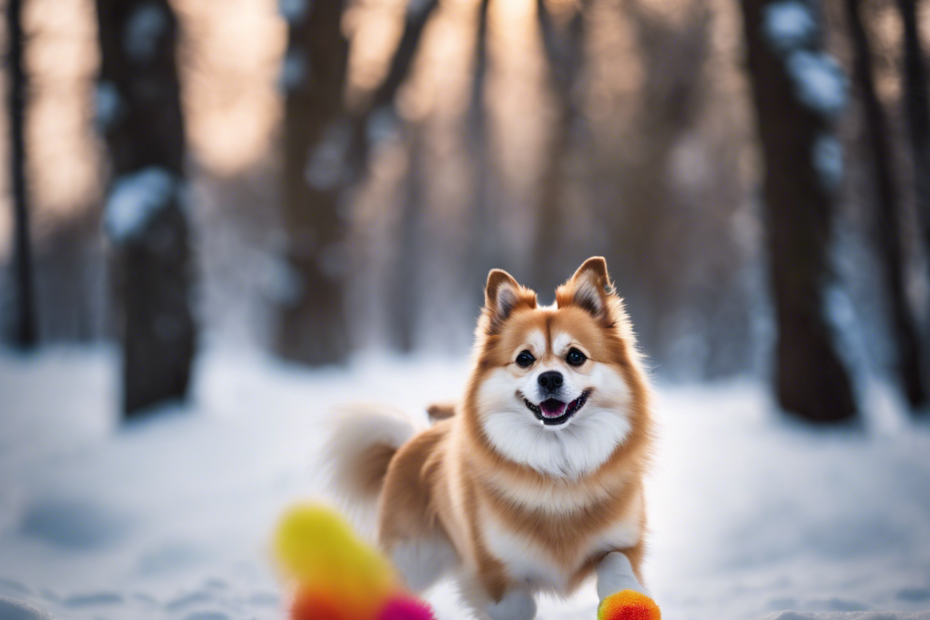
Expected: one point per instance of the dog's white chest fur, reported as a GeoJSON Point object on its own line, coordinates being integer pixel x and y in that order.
{"type": "Point", "coordinates": [527, 560]}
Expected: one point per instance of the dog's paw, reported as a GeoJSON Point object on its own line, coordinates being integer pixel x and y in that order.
{"type": "Point", "coordinates": [628, 605]}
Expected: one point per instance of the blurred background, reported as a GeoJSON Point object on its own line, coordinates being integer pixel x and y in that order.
{"type": "Point", "coordinates": [319, 179]}
{"type": "Point", "coordinates": [232, 215]}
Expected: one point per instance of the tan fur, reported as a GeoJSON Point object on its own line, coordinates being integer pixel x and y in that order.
{"type": "Point", "coordinates": [440, 411]}
{"type": "Point", "coordinates": [451, 482]}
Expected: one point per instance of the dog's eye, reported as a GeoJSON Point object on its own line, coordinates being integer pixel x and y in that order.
{"type": "Point", "coordinates": [525, 359]}
{"type": "Point", "coordinates": [575, 357]}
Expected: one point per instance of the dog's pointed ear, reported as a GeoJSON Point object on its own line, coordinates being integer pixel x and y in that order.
{"type": "Point", "coordinates": [589, 288]}
{"type": "Point", "coordinates": [503, 295]}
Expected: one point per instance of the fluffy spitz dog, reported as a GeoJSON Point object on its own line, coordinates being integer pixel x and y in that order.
{"type": "Point", "coordinates": [534, 482]}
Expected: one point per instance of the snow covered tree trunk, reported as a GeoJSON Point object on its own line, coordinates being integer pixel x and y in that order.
{"type": "Point", "coordinates": [313, 327]}
{"type": "Point", "coordinates": [905, 336]}
{"type": "Point", "coordinates": [138, 111]}
{"type": "Point", "coordinates": [24, 331]}
{"type": "Point", "coordinates": [798, 90]}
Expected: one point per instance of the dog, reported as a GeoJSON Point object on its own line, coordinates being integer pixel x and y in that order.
{"type": "Point", "coordinates": [534, 481]}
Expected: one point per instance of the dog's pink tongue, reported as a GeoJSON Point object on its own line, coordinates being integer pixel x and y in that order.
{"type": "Point", "coordinates": [552, 408]}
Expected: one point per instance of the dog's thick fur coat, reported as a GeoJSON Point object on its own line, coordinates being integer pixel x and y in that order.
{"type": "Point", "coordinates": [516, 491]}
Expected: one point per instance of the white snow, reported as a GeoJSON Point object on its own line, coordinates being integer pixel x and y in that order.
{"type": "Point", "coordinates": [134, 201]}
{"type": "Point", "coordinates": [294, 11]}
{"type": "Point", "coordinates": [382, 124]}
{"type": "Point", "coordinates": [293, 70]}
{"type": "Point", "coordinates": [170, 518]}
{"type": "Point", "coordinates": [325, 169]}
{"type": "Point", "coordinates": [828, 161]}
{"type": "Point", "coordinates": [819, 81]}
{"type": "Point", "coordinates": [789, 24]}
{"type": "Point", "coordinates": [144, 27]}
{"type": "Point", "coordinates": [108, 105]}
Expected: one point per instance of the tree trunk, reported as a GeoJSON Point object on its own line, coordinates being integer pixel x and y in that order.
{"type": "Point", "coordinates": [796, 135]}
{"type": "Point", "coordinates": [139, 113]}
{"type": "Point", "coordinates": [381, 102]}
{"type": "Point", "coordinates": [483, 242]}
{"type": "Point", "coordinates": [313, 327]}
{"type": "Point", "coordinates": [406, 277]}
{"type": "Point", "coordinates": [25, 333]}
{"type": "Point", "coordinates": [564, 53]}
{"type": "Point", "coordinates": [905, 338]}
{"type": "Point", "coordinates": [917, 107]}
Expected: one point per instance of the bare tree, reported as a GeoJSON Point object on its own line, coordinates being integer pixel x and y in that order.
{"type": "Point", "coordinates": [25, 333]}
{"type": "Point", "coordinates": [483, 241]}
{"type": "Point", "coordinates": [798, 90]}
{"type": "Point", "coordinates": [312, 323]}
{"type": "Point", "coordinates": [917, 106]}
{"type": "Point", "coordinates": [887, 219]}
{"type": "Point", "coordinates": [564, 52]}
{"type": "Point", "coordinates": [404, 290]}
{"type": "Point", "coordinates": [379, 108]}
{"type": "Point", "coordinates": [646, 220]}
{"type": "Point", "coordinates": [139, 113]}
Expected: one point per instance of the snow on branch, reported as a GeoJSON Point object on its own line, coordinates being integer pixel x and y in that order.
{"type": "Point", "coordinates": [108, 105]}
{"type": "Point", "coordinates": [792, 29]}
{"type": "Point", "coordinates": [819, 81]}
{"type": "Point", "coordinates": [294, 11]}
{"type": "Point", "coordinates": [325, 170]}
{"type": "Point", "coordinates": [135, 200]}
{"type": "Point", "coordinates": [145, 26]}
{"type": "Point", "coordinates": [790, 24]}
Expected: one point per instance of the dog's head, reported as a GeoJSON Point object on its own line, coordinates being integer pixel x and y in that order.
{"type": "Point", "coordinates": [554, 387]}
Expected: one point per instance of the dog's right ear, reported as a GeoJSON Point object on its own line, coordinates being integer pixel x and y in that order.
{"type": "Point", "coordinates": [502, 296]}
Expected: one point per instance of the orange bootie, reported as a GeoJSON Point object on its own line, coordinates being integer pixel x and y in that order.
{"type": "Point", "coordinates": [628, 605]}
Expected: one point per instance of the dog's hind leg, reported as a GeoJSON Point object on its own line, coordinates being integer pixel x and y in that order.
{"type": "Point", "coordinates": [513, 604]}
{"type": "Point", "coordinates": [423, 561]}
{"type": "Point", "coordinates": [409, 530]}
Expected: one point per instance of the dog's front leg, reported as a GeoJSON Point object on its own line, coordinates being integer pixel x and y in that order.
{"type": "Point", "coordinates": [622, 596]}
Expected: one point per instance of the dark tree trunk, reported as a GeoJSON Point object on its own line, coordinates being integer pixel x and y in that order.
{"type": "Point", "coordinates": [25, 333]}
{"type": "Point", "coordinates": [139, 114]}
{"type": "Point", "coordinates": [405, 289]}
{"type": "Point", "coordinates": [382, 99]}
{"type": "Point", "coordinates": [810, 379]}
{"type": "Point", "coordinates": [917, 107]}
{"type": "Point", "coordinates": [905, 336]}
{"type": "Point", "coordinates": [313, 327]}
{"type": "Point", "coordinates": [644, 223]}
{"type": "Point", "coordinates": [483, 241]}
{"type": "Point", "coordinates": [564, 53]}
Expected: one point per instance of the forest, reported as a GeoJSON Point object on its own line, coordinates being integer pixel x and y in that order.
{"type": "Point", "coordinates": [221, 220]}
{"type": "Point", "coordinates": [317, 179]}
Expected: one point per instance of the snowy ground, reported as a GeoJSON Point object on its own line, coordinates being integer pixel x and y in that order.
{"type": "Point", "coordinates": [170, 518]}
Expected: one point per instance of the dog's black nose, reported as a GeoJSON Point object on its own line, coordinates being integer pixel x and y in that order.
{"type": "Point", "coordinates": [551, 380]}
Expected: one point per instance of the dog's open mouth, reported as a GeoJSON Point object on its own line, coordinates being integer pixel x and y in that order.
{"type": "Point", "coordinates": [553, 412]}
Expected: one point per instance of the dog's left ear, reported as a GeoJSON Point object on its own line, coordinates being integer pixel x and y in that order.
{"type": "Point", "coordinates": [589, 288]}
{"type": "Point", "coordinates": [502, 296]}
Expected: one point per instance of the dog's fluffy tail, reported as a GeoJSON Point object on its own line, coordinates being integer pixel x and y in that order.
{"type": "Point", "coordinates": [364, 440]}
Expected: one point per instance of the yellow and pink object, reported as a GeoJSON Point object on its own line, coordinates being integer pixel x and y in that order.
{"type": "Point", "coordinates": [337, 575]}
